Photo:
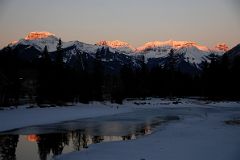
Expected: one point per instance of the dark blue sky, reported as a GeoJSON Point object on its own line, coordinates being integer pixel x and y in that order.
{"type": "Point", "coordinates": [207, 22]}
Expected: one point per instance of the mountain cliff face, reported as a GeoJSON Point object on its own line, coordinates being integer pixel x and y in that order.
{"type": "Point", "coordinates": [115, 54]}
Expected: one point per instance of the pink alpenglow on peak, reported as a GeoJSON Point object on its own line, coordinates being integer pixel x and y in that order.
{"type": "Point", "coordinates": [39, 40]}
{"type": "Point", "coordinates": [174, 44]}
{"type": "Point", "coordinates": [38, 35]}
{"type": "Point", "coordinates": [222, 47]}
{"type": "Point", "coordinates": [116, 44]}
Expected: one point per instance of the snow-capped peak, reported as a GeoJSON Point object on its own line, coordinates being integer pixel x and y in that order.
{"type": "Point", "coordinates": [120, 45]}
{"type": "Point", "coordinates": [38, 35]}
{"type": "Point", "coordinates": [35, 36]}
{"type": "Point", "coordinates": [38, 40]}
{"type": "Point", "coordinates": [172, 44]}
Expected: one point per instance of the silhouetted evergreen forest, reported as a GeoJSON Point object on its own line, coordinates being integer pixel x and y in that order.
{"type": "Point", "coordinates": [48, 81]}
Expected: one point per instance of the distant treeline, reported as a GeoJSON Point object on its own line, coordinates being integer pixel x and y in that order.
{"type": "Point", "coordinates": [48, 81]}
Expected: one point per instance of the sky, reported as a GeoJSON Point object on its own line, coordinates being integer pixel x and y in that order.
{"type": "Point", "coordinates": [206, 22]}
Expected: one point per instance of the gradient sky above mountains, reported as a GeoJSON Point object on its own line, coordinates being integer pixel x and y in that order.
{"type": "Point", "coordinates": [207, 22]}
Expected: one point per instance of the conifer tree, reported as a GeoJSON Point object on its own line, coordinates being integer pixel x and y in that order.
{"type": "Point", "coordinates": [172, 61]}
{"type": "Point", "coordinates": [98, 75]}
{"type": "Point", "coordinates": [59, 56]}
{"type": "Point", "coordinates": [46, 57]}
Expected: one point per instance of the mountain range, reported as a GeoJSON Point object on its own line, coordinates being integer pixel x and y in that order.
{"type": "Point", "coordinates": [190, 56]}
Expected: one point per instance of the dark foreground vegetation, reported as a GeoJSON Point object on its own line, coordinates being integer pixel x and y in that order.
{"type": "Point", "coordinates": [48, 80]}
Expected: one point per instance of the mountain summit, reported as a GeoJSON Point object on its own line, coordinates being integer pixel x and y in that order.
{"type": "Point", "coordinates": [222, 47]}
{"type": "Point", "coordinates": [38, 40]}
{"type": "Point", "coordinates": [38, 35]}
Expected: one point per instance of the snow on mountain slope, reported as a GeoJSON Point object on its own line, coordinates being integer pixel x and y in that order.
{"type": "Point", "coordinates": [82, 47]}
{"type": "Point", "coordinates": [189, 54]}
{"type": "Point", "coordinates": [76, 54]}
{"type": "Point", "coordinates": [192, 52]}
{"type": "Point", "coordinates": [193, 55]}
{"type": "Point", "coordinates": [41, 39]}
{"type": "Point", "coordinates": [119, 45]}
{"type": "Point", "coordinates": [38, 40]}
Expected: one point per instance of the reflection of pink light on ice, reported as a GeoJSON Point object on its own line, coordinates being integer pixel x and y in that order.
{"type": "Point", "coordinates": [33, 138]}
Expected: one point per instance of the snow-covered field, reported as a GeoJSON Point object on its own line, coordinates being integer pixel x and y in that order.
{"type": "Point", "coordinates": [201, 134]}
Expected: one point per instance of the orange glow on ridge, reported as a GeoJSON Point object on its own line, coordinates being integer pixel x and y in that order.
{"type": "Point", "coordinates": [33, 138]}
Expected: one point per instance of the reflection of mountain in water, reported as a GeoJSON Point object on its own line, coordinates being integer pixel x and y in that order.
{"type": "Point", "coordinates": [51, 143]}
{"type": "Point", "coordinates": [55, 142]}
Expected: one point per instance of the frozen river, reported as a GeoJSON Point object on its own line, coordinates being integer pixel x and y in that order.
{"type": "Point", "coordinates": [151, 132]}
